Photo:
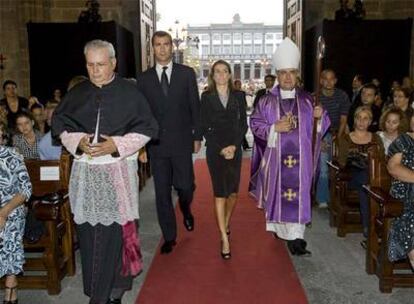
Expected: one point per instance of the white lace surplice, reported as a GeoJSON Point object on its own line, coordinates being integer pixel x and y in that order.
{"type": "Point", "coordinates": [105, 189]}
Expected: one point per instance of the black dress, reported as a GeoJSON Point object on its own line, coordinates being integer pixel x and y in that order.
{"type": "Point", "coordinates": [221, 127]}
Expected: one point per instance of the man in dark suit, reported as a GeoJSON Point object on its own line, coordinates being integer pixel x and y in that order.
{"type": "Point", "coordinates": [171, 90]}
{"type": "Point", "coordinates": [269, 81]}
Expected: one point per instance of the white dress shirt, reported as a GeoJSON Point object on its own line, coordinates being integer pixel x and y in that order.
{"type": "Point", "coordinates": [168, 71]}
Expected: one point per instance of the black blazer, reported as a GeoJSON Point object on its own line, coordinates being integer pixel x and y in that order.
{"type": "Point", "coordinates": [222, 127]}
{"type": "Point", "coordinates": [178, 114]}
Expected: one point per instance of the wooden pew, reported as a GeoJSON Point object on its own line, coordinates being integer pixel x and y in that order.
{"type": "Point", "coordinates": [54, 251]}
{"type": "Point", "coordinates": [383, 209]}
{"type": "Point", "coordinates": [344, 204]}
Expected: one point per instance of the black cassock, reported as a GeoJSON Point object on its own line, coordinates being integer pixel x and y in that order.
{"type": "Point", "coordinates": [122, 110]}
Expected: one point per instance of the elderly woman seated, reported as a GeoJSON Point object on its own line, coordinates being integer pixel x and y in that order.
{"type": "Point", "coordinates": [400, 165]}
{"type": "Point", "coordinates": [353, 155]}
{"type": "Point", "coordinates": [15, 189]}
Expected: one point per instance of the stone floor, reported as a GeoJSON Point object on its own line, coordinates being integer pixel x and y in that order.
{"type": "Point", "coordinates": [333, 275]}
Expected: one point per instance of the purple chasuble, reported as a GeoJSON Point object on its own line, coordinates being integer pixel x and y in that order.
{"type": "Point", "coordinates": [284, 178]}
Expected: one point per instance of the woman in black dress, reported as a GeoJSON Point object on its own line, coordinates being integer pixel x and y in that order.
{"type": "Point", "coordinates": [223, 124]}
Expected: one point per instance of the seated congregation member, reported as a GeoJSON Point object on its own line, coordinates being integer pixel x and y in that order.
{"type": "Point", "coordinates": [57, 95]}
{"type": "Point", "coordinates": [15, 189]}
{"type": "Point", "coordinates": [5, 137]}
{"type": "Point", "coordinates": [223, 124]}
{"type": "Point", "coordinates": [369, 93]}
{"type": "Point", "coordinates": [47, 149]}
{"type": "Point", "coordinates": [75, 81]}
{"type": "Point", "coordinates": [27, 140]}
{"type": "Point", "coordinates": [401, 100]}
{"type": "Point", "coordinates": [33, 100]}
{"type": "Point", "coordinates": [39, 118]}
{"type": "Point", "coordinates": [392, 123]}
{"type": "Point", "coordinates": [13, 103]}
{"type": "Point", "coordinates": [353, 156]}
{"type": "Point", "coordinates": [357, 84]}
{"type": "Point", "coordinates": [400, 165]}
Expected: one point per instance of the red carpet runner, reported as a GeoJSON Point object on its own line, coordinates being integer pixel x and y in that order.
{"type": "Point", "coordinates": [260, 270]}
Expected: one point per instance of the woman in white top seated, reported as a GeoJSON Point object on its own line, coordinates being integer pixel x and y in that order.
{"type": "Point", "coordinates": [392, 123]}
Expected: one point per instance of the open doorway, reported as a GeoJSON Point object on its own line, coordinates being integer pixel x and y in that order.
{"type": "Point", "coordinates": [246, 36]}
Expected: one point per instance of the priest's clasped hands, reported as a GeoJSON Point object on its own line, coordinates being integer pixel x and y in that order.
{"type": "Point", "coordinates": [99, 149]}
{"type": "Point", "coordinates": [289, 122]}
{"type": "Point", "coordinates": [285, 124]}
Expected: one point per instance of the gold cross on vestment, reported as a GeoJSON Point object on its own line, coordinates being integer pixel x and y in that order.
{"type": "Point", "coordinates": [289, 195]}
{"type": "Point", "coordinates": [290, 161]}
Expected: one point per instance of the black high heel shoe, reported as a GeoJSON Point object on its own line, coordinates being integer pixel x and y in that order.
{"type": "Point", "coordinates": [225, 255]}
{"type": "Point", "coordinates": [9, 301]}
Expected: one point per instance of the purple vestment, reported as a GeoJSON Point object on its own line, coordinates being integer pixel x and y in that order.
{"type": "Point", "coordinates": [282, 183]}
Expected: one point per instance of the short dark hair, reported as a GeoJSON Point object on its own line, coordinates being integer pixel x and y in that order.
{"type": "Point", "coordinates": [326, 71]}
{"type": "Point", "coordinates": [7, 82]}
{"type": "Point", "coordinates": [405, 91]}
{"type": "Point", "coordinates": [36, 106]}
{"type": "Point", "coordinates": [371, 86]}
{"type": "Point", "coordinates": [360, 78]}
{"type": "Point", "coordinates": [23, 114]}
{"type": "Point", "coordinates": [51, 104]}
{"type": "Point", "coordinates": [273, 77]}
{"type": "Point", "coordinates": [160, 34]}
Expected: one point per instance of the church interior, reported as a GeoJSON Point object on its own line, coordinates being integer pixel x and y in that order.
{"type": "Point", "coordinates": [41, 50]}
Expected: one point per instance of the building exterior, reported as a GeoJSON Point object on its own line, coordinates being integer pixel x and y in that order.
{"type": "Point", "coordinates": [248, 47]}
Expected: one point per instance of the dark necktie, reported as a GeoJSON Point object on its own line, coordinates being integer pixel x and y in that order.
{"type": "Point", "coordinates": [164, 81]}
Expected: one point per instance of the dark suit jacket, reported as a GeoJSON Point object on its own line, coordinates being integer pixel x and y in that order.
{"type": "Point", "coordinates": [259, 94]}
{"type": "Point", "coordinates": [222, 127]}
{"type": "Point", "coordinates": [177, 115]}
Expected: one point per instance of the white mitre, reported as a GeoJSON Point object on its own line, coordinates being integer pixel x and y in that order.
{"type": "Point", "coordinates": [286, 56]}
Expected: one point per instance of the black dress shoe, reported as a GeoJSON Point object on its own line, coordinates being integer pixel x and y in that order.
{"type": "Point", "coordinates": [189, 222]}
{"type": "Point", "coordinates": [300, 247]}
{"type": "Point", "coordinates": [167, 247]}
{"type": "Point", "coordinates": [291, 246]}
